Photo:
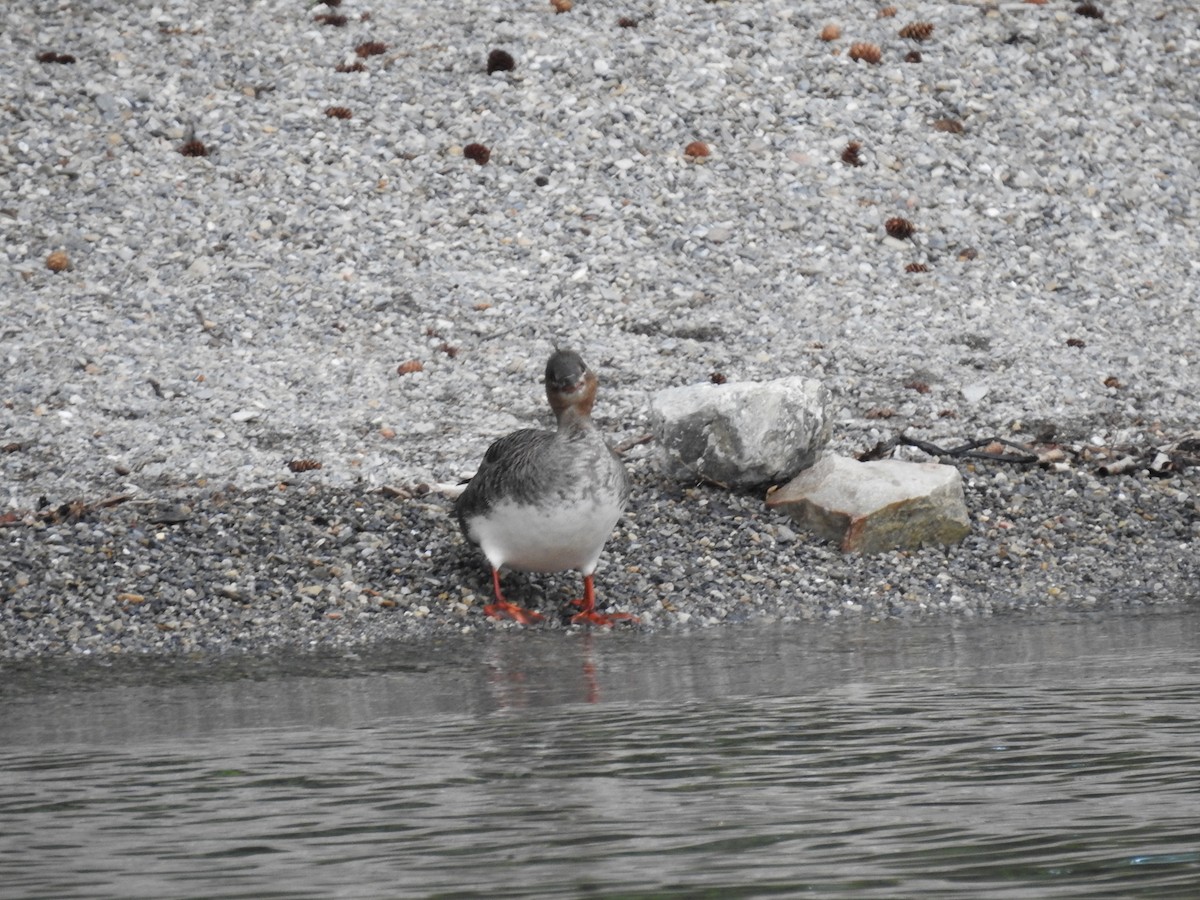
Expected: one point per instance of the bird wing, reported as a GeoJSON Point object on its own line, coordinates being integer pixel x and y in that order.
{"type": "Point", "coordinates": [509, 470]}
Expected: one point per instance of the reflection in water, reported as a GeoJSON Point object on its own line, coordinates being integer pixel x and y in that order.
{"type": "Point", "coordinates": [1002, 759]}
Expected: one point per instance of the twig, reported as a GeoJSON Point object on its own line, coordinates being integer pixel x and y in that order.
{"type": "Point", "coordinates": [626, 445]}
{"type": "Point", "coordinates": [115, 500]}
{"type": "Point", "coordinates": [967, 451]}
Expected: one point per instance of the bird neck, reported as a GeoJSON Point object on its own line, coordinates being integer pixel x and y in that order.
{"type": "Point", "coordinates": [576, 416]}
{"type": "Point", "coordinates": [575, 409]}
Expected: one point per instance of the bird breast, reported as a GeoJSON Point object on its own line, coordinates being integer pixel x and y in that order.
{"type": "Point", "coordinates": [549, 537]}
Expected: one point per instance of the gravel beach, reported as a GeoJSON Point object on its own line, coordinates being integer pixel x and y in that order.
{"type": "Point", "coordinates": [358, 291]}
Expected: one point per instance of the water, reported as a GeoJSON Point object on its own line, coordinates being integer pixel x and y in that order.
{"type": "Point", "coordinates": [1021, 758]}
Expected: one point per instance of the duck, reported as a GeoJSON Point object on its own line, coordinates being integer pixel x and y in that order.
{"type": "Point", "coordinates": [547, 501]}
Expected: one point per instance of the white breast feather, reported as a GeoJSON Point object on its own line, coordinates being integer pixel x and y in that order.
{"type": "Point", "coordinates": [545, 539]}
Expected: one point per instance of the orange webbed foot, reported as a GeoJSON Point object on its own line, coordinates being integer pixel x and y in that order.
{"type": "Point", "coordinates": [587, 603]}
{"type": "Point", "coordinates": [506, 610]}
{"type": "Point", "coordinates": [502, 609]}
{"type": "Point", "coordinates": [591, 617]}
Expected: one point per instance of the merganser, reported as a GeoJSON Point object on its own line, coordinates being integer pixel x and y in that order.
{"type": "Point", "coordinates": [546, 501]}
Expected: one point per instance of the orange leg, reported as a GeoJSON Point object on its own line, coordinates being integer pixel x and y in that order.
{"type": "Point", "coordinates": [502, 608]}
{"type": "Point", "coordinates": [588, 605]}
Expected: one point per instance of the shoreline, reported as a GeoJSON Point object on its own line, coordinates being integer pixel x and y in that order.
{"type": "Point", "coordinates": [312, 569]}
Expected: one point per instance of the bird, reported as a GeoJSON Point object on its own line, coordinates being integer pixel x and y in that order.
{"type": "Point", "coordinates": [547, 501]}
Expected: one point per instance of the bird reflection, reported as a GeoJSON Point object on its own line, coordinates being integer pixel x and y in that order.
{"type": "Point", "coordinates": [518, 679]}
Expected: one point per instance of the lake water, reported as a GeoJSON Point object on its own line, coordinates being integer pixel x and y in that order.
{"type": "Point", "coordinates": [1028, 757]}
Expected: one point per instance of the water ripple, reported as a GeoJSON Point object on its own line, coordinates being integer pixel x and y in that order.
{"type": "Point", "coordinates": [911, 782]}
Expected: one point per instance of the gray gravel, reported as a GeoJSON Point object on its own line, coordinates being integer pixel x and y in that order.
{"type": "Point", "coordinates": [225, 314]}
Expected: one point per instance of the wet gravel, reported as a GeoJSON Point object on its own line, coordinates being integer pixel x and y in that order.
{"type": "Point", "coordinates": [359, 293]}
{"type": "Point", "coordinates": [314, 568]}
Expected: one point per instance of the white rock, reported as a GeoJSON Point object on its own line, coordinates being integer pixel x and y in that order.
{"type": "Point", "coordinates": [741, 434]}
{"type": "Point", "coordinates": [877, 506]}
{"type": "Point", "coordinates": [973, 393]}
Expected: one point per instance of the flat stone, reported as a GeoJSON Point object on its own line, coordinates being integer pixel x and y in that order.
{"type": "Point", "coordinates": [741, 434]}
{"type": "Point", "coordinates": [877, 506]}
{"type": "Point", "coordinates": [200, 268]}
{"type": "Point", "coordinates": [973, 393]}
{"type": "Point", "coordinates": [107, 104]}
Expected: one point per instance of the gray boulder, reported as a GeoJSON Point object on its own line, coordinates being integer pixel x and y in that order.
{"type": "Point", "coordinates": [741, 434]}
{"type": "Point", "coordinates": [877, 506]}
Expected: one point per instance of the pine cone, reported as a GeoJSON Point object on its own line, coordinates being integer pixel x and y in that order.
{"type": "Point", "coordinates": [477, 153]}
{"type": "Point", "coordinates": [371, 48]}
{"type": "Point", "coordinates": [899, 228]}
{"type": "Point", "coordinates": [917, 31]}
{"type": "Point", "coordinates": [869, 53]}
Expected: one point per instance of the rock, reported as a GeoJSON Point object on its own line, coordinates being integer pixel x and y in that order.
{"type": "Point", "coordinates": [108, 105]}
{"type": "Point", "coordinates": [741, 434]}
{"type": "Point", "coordinates": [169, 514]}
{"type": "Point", "coordinates": [973, 393]}
{"type": "Point", "coordinates": [200, 268]}
{"type": "Point", "coordinates": [877, 506]}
